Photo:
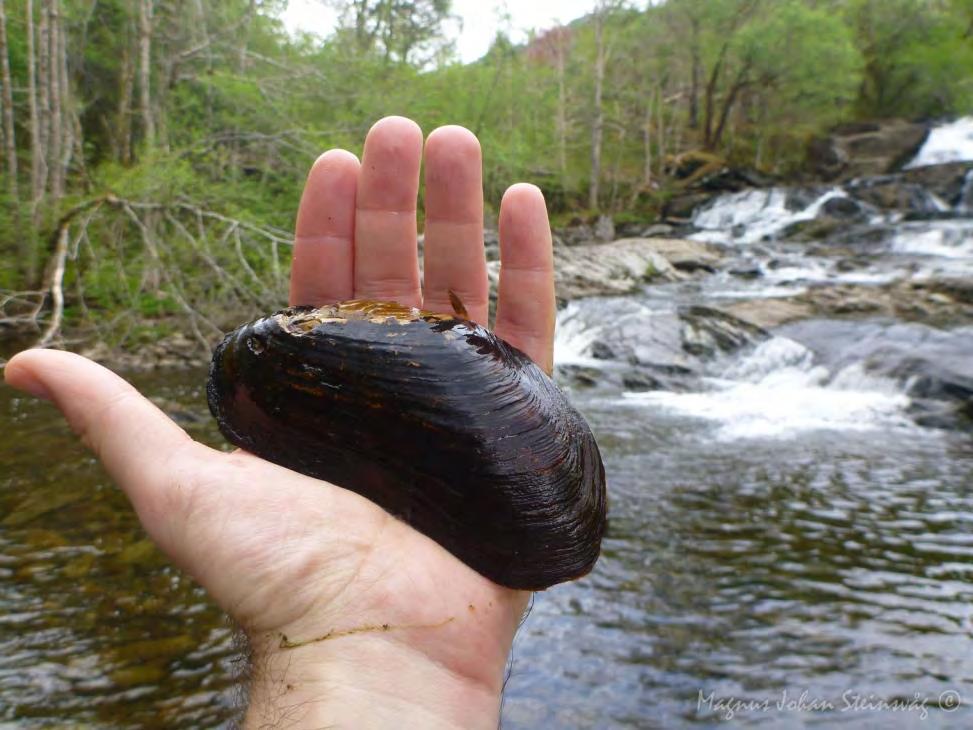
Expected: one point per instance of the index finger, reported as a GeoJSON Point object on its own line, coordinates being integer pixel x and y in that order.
{"type": "Point", "coordinates": [323, 259]}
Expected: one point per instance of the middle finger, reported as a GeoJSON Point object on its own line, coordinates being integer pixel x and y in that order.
{"type": "Point", "coordinates": [386, 258]}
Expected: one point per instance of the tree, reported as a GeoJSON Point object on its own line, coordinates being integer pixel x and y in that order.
{"type": "Point", "coordinates": [400, 31]}
{"type": "Point", "coordinates": [7, 103]}
{"type": "Point", "coordinates": [917, 55]}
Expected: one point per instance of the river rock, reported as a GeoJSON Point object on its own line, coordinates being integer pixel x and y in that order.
{"type": "Point", "coordinates": [932, 366]}
{"type": "Point", "coordinates": [939, 302]}
{"type": "Point", "coordinates": [865, 148]}
{"type": "Point", "coordinates": [708, 331]}
{"type": "Point", "coordinates": [679, 208]}
{"type": "Point", "coordinates": [605, 229]}
{"type": "Point", "coordinates": [622, 266]}
{"type": "Point", "coordinates": [948, 181]}
{"type": "Point", "coordinates": [652, 349]}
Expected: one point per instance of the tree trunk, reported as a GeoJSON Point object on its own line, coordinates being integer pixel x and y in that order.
{"type": "Point", "coordinates": [647, 142]}
{"type": "Point", "coordinates": [123, 117]}
{"type": "Point", "coordinates": [646, 181]}
{"type": "Point", "coordinates": [561, 121]}
{"type": "Point", "coordinates": [10, 142]}
{"type": "Point", "coordinates": [54, 86]}
{"type": "Point", "coordinates": [598, 121]}
{"type": "Point", "coordinates": [36, 150]}
{"type": "Point", "coordinates": [739, 83]}
{"type": "Point", "coordinates": [710, 101]}
{"type": "Point", "coordinates": [145, 73]}
{"type": "Point", "coordinates": [44, 100]}
{"type": "Point", "coordinates": [661, 136]}
{"type": "Point", "coordinates": [67, 108]}
{"type": "Point", "coordinates": [694, 80]}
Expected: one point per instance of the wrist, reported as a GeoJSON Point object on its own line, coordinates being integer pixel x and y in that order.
{"type": "Point", "coordinates": [441, 674]}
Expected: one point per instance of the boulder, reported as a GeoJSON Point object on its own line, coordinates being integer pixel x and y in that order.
{"type": "Point", "coordinates": [622, 266]}
{"type": "Point", "coordinates": [896, 193]}
{"type": "Point", "coordinates": [949, 182]}
{"type": "Point", "coordinates": [680, 207]}
{"type": "Point", "coordinates": [934, 367]}
{"type": "Point", "coordinates": [605, 229]}
{"type": "Point", "coordinates": [708, 331]}
{"type": "Point", "coordinates": [640, 348]}
{"type": "Point", "coordinates": [939, 302]}
{"type": "Point", "coordinates": [865, 148]}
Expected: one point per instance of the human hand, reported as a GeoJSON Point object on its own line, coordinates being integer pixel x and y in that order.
{"type": "Point", "coordinates": [354, 617]}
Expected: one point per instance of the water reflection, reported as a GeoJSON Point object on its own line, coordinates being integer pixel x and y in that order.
{"type": "Point", "coordinates": [827, 562]}
{"type": "Point", "coordinates": [95, 626]}
{"type": "Point", "coordinates": [831, 564]}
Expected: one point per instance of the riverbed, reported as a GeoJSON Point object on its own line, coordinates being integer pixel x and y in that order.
{"type": "Point", "coordinates": [790, 541]}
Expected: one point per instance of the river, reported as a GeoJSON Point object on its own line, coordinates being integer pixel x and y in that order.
{"type": "Point", "coordinates": [788, 545]}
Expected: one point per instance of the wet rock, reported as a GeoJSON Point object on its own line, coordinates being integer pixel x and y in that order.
{"type": "Point", "coordinates": [658, 230]}
{"type": "Point", "coordinates": [600, 351]}
{"type": "Point", "coordinates": [933, 366]}
{"type": "Point", "coordinates": [37, 504]}
{"type": "Point", "coordinates": [640, 381]}
{"type": "Point", "coordinates": [957, 289]}
{"type": "Point", "coordinates": [746, 272]}
{"type": "Point", "coordinates": [491, 244]}
{"type": "Point", "coordinates": [813, 229]}
{"type": "Point", "coordinates": [894, 193]}
{"type": "Point", "coordinates": [655, 350]}
{"type": "Point", "coordinates": [771, 312]}
{"type": "Point", "coordinates": [680, 207]}
{"type": "Point", "coordinates": [579, 375]}
{"type": "Point", "coordinates": [630, 230]}
{"type": "Point", "coordinates": [622, 266]}
{"type": "Point", "coordinates": [709, 331]}
{"type": "Point", "coordinates": [842, 208]}
{"type": "Point", "coordinates": [579, 234]}
{"type": "Point", "coordinates": [862, 149]}
{"type": "Point", "coordinates": [940, 302]}
{"type": "Point", "coordinates": [947, 181]}
{"type": "Point", "coordinates": [605, 229]}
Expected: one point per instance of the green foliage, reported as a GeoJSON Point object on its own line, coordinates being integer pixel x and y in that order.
{"type": "Point", "coordinates": [241, 109]}
{"type": "Point", "coordinates": [918, 56]}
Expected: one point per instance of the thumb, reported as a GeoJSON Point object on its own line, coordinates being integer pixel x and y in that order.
{"type": "Point", "coordinates": [144, 451]}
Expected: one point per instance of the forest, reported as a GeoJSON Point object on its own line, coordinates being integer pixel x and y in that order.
{"type": "Point", "coordinates": [154, 150]}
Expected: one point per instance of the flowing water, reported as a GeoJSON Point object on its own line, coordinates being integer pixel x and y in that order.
{"type": "Point", "coordinates": [787, 546]}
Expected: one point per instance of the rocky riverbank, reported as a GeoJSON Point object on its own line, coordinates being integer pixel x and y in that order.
{"type": "Point", "coordinates": [863, 283]}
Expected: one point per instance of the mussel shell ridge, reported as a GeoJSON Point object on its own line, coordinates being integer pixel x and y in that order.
{"type": "Point", "coordinates": [432, 417]}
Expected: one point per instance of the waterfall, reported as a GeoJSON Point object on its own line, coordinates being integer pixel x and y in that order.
{"type": "Point", "coordinates": [951, 142]}
{"type": "Point", "coordinates": [965, 202]}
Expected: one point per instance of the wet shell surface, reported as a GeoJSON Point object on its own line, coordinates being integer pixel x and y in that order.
{"type": "Point", "coordinates": [430, 416]}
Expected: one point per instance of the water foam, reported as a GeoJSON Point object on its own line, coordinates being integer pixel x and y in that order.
{"type": "Point", "coordinates": [952, 142]}
{"type": "Point", "coordinates": [752, 215]}
{"type": "Point", "coordinates": [951, 239]}
{"type": "Point", "coordinates": [777, 391]}
{"type": "Point", "coordinates": [574, 335]}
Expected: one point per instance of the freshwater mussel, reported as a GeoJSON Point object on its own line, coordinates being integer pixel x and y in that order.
{"type": "Point", "coordinates": [430, 416]}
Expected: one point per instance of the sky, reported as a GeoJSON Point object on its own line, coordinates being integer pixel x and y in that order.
{"type": "Point", "coordinates": [481, 19]}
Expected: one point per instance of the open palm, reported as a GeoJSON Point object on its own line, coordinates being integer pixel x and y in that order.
{"type": "Point", "coordinates": [354, 617]}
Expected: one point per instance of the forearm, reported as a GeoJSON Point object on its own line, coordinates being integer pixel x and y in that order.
{"type": "Point", "coordinates": [375, 679]}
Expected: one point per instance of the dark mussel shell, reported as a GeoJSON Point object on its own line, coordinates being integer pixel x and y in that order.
{"type": "Point", "coordinates": [430, 416]}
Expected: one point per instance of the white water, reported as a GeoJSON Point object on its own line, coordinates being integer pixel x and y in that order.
{"type": "Point", "coordinates": [777, 392]}
{"type": "Point", "coordinates": [946, 247]}
{"type": "Point", "coordinates": [752, 215]}
{"type": "Point", "coordinates": [573, 336]}
{"type": "Point", "coordinates": [966, 195]}
{"type": "Point", "coordinates": [952, 142]}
